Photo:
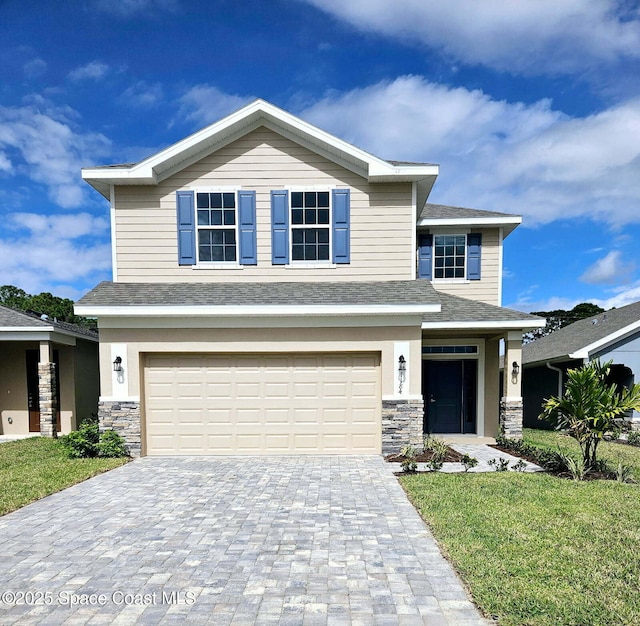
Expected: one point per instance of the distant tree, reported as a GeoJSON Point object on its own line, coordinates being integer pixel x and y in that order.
{"type": "Point", "coordinates": [13, 297]}
{"type": "Point", "coordinates": [560, 318]}
{"type": "Point", "coordinates": [44, 303]}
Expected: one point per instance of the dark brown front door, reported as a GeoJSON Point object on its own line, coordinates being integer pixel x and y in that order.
{"type": "Point", "coordinates": [33, 392]}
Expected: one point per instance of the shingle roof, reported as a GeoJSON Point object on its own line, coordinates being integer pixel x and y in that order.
{"type": "Point", "coordinates": [11, 318]}
{"type": "Point", "coordinates": [395, 292]}
{"type": "Point", "coordinates": [442, 211]}
{"type": "Point", "coordinates": [458, 309]}
{"type": "Point", "coordinates": [580, 334]}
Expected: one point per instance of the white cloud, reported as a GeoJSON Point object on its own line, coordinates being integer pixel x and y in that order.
{"type": "Point", "coordinates": [204, 104]}
{"type": "Point", "coordinates": [609, 270]}
{"type": "Point", "coordinates": [34, 68]}
{"type": "Point", "coordinates": [530, 36]}
{"type": "Point", "coordinates": [129, 8]}
{"type": "Point", "coordinates": [494, 155]}
{"type": "Point", "coordinates": [142, 95]}
{"type": "Point", "coordinates": [91, 71]}
{"type": "Point", "coordinates": [56, 253]}
{"type": "Point", "coordinates": [44, 147]}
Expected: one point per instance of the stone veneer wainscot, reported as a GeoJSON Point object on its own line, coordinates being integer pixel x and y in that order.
{"type": "Point", "coordinates": [401, 424]}
{"type": "Point", "coordinates": [511, 418]}
{"type": "Point", "coordinates": [123, 417]}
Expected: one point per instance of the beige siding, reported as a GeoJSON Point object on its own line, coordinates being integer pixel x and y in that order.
{"type": "Point", "coordinates": [381, 216]}
{"type": "Point", "coordinates": [140, 341]}
{"type": "Point", "coordinates": [487, 289]}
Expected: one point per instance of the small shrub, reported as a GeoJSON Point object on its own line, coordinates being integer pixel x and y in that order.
{"type": "Point", "coordinates": [634, 438]}
{"type": "Point", "coordinates": [499, 465]}
{"type": "Point", "coordinates": [408, 464]}
{"type": "Point", "coordinates": [520, 466]}
{"type": "Point", "coordinates": [624, 473]}
{"type": "Point", "coordinates": [438, 449]}
{"type": "Point", "coordinates": [87, 442]}
{"type": "Point", "coordinates": [82, 443]}
{"type": "Point", "coordinates": [468, 462]}
{"type": "Point", "coordinates": [111, 445]}
{"type": "Point", "coordinates": [576, 467]}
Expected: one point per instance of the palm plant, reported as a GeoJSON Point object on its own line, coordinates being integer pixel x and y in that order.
{"type": "Point", "coordinates": [590, 407]}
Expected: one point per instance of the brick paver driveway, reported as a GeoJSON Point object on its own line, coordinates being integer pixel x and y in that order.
{"type": "Point", "coordinates": [293, 540]}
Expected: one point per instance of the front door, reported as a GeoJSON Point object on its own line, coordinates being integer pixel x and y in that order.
{"type": "Point", "coordinates": [450, 395]}
{"type": "Point", "coordinates": [33, 389]}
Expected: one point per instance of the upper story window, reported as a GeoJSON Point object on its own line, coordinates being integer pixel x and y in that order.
{"type": "Point", "coordinates": [216, 225]}
{"type": "Point", "coordinates": [449, 256]}
{"type": "Point", "coordinates": [310, 226]}
{"type": "Point", "coordinates": [452, 256]}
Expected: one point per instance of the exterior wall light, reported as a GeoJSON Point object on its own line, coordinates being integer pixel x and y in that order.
{"type": "Point", "coordinates": [402, 372]}
{"type": "Point", "coordinates": [117, 364]}
{"type": "Point", "coordinates": [515, 370]}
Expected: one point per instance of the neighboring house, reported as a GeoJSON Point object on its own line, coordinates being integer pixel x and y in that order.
{"type": "Point", "coordinates": [610, 336]}
{"type": "Point", "coordinates": [48, 371]}
{"type": "Point", "coordinates": [277, 290]}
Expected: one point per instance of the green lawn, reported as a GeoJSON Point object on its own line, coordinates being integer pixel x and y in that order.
{"type": "Point", "coordinates": [33, 468]}
{"type": "Point", "coordinates": [611, 452]}
{"type": "Point", "coordinates": [536, 549]}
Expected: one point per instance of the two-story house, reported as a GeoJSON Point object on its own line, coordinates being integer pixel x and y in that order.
{"type": "Point", "coordinates": [277, 290]}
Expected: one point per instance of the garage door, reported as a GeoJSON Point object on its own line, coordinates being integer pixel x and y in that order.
{"type": "Point", "coordinates": [263, 404]}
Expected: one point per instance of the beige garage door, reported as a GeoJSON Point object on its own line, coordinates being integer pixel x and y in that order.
{"type": "Point", "coordinates": [263, 404]}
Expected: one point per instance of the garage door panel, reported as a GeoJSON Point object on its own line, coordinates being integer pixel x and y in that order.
{"type": "Point", "coordinates": [263, 404]}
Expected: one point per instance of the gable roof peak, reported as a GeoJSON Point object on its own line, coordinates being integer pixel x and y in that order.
{"type": "Point", "coordinates": [207, 140]}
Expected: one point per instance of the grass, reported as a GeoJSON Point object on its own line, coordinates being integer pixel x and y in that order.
{"type": "Point", "coordinates": [537, 550]}
{"type": "Point", "coordinates": [607, 450]}
{"type": "Point", "coordinates": [36, 467]}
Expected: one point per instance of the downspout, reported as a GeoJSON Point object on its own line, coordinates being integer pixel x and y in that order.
{"type": "Point", "coordinates": [557, 369]}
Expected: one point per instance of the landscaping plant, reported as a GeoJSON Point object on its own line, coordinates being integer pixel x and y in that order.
{"type": "Point", "coordinates": [87, 442]}
{"type": "Point", "coordinates": [590, 407]}
{"type": "Point", "coordinates": [468, 462]}
{"type": "Point", "coordinates": [408, 463]}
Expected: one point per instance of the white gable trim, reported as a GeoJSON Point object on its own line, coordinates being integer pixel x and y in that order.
{"type": "Point", "coordinates": [495, 325]}
{"type": "Point", "coordinates": [585, 353]}
{"type": "Point", "coordinates": [259, 113]}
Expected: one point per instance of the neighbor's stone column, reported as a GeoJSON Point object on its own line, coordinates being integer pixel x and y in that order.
{"type": "Point", "coordinates": [401, 424]}
{"type": "Point", "coordinates": [511, 418]}
{"type": "Point", "coordinates": [124, 418]}
{"type": "Point", "coordinates": [48, 399]}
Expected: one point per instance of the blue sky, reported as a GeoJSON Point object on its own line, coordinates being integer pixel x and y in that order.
{"type": "Point", "coordinates": [529, 107]}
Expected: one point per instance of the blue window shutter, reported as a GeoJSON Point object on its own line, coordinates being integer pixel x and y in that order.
{"type": "Point", "coordinates": [280, 227]}
{"type": "Point", "coordinates": [247, 224]}
{"type": "Point", "coordinates": [341, 226]}
{"type": "Point", "coordinates": [474, 253]}
{"type": "Point", "coordinates": [186, 228]}
{"type": "Point", "coordinates": [425, 255]}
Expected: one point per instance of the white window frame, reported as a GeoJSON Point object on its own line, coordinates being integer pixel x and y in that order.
{"type": "Point", "coordinates": [302, 263]}
{"type": "Point", "coordinates": [443, 232]}
{"type": "Point", "coordinates": [216, 264]}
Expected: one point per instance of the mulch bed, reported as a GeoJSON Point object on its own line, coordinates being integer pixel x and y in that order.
{"type": "Point", "coordinates": [526, 457]}
{"type": "Point", "coordinates": [424, 457]}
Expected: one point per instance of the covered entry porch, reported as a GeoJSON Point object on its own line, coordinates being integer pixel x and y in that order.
{"type": "Point", "coordinates": [460, 368]}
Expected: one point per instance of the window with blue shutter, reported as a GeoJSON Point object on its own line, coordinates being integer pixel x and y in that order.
{"type": "Point", "coordinates": [247, 227]}
{"type": "Point", "coordinates": [186, 228]}
{"type": "Point", "coordinates": [280, 227]}
{"type": "Point", "coordinates": [425, 256]}
{"type": "Point", "coordinates": [474, 254]}
{"type": "Point", "coordinates": [341, 226]}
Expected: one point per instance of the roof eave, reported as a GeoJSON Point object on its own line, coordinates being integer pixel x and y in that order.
{"type": "Point", "coordinates": [490, 325]}
{"type": "Point", "coordinates": [90, 310]}
{"type": "Point", "coordinates": [509, 224]}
